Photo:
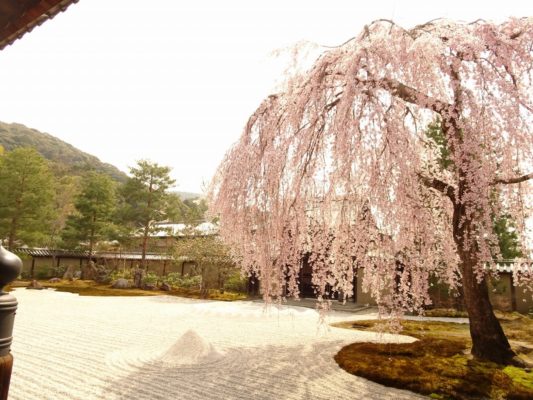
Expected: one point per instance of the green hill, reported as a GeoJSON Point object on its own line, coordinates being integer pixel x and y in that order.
{"type": "Point", "coordinates": [65, 155]}
{"type": "Point", "coordinates": [188, 195]}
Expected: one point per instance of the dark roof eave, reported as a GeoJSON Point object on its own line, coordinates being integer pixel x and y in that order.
{"type": "Point", "coordinates": [83, 254]}
{"type": "Point", "coordinates": [32, 14]}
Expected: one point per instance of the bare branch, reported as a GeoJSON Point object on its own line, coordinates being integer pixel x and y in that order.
{"type": "Point", "coordinates": [516, 179]}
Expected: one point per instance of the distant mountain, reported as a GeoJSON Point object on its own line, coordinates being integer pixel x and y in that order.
{"type": "Point", "coordinates": [188, 195]}
{"type": "Point", "coordinates": [56, 150]}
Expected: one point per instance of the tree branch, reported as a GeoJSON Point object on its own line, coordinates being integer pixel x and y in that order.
{"type": "Point", "coordinates": [413, 96]}
{"type": "Point", "coordinates": [517, 179]}
{"type": "Point", "coordinates": [438, 185]}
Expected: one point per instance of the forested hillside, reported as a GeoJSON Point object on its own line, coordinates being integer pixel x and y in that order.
{"type": "Point", "coordinates": [65, 155]}
{"type": "Point", "coordinates": [57, 196]}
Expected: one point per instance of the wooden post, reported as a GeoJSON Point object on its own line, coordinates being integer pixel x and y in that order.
{"type": "Point", "coordinates": [32, 267]}
{"type": "Point", "coordinates": [10, 267]}
{"type": "Point", "coordinates": [6, 366]}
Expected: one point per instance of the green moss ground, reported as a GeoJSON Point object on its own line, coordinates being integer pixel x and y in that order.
{"type": "Point", "coordinates": [446, 312]}
{"type": "Point", "coordinates": [439, 364]}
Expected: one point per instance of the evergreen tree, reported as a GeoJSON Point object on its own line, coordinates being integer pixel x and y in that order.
{"type": "Point", "coordinates": [195, 211]}
{"type": "Point", "coordinates": [508, 240]}
{"type": "Point", "coordinates": [177, 209]}
{"type": "Point", "coordinates": [146, 199]}
{"type": "Point", "coordinates": [27, 198]}
{"type": "Point", "coordinates": [94, 207]}
{"type": "Point", "coordinates": [67, 188]}
{"type": "Point", "coordinates": [503, 224]}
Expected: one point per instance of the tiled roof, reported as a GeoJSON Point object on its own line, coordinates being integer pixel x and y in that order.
{"type": "Point", "coordinates": [524, 266]}
{"type": "Point", "coordinates": [132, 256]}
{"type": "Point", "coordinates": [40, 252]}
{"type": "Point", "coordinates": [17, 17]}
{"type": "Point", "coordinates": [182, 230]}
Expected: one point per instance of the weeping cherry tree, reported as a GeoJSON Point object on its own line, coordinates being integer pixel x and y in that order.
{"type": "Point", "coordinates": [339, 167]}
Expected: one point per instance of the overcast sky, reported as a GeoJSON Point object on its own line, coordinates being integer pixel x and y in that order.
{"type": "Point", "coordinates": [175, 81]}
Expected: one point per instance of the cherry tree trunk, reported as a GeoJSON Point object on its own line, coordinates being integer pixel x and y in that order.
{"type": "Point", "coordinates": [488, 339]}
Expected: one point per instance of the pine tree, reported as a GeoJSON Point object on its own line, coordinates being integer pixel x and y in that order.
{"type": "Point", "coordinates": [27, 197]}
{"type": "Point", "coordinates": [146, 200]}
{"type": "Point", "coordinates": [94, 207]}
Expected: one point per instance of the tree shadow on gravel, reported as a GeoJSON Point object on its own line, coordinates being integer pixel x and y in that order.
{"type": "Point", "coordinates": [261, 373]}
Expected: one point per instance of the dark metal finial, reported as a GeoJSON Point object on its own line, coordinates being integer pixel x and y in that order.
{"type": "Point", "coordinates": [10, 267]}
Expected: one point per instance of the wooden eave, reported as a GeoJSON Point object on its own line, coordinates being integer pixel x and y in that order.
{"type": "Point", "coordinates": [17, 17]}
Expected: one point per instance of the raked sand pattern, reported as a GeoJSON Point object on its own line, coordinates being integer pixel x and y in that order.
{"type": "Point", "coordinates": [71, 347]}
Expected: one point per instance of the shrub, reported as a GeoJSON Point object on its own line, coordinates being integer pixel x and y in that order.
{"type": "Point", "coordinates": [120, 274]}
{"type": "Point", "coordinates": [25, 275]}
{"type": "Point", "coordinates": [173, 279]}
{"type": "Point", "coordinates": [58, 271]}
{"type": "Point", "coordinates": [176, 280]}
{"type": "Point", "coordinates": [42, 274]}
{"type": "Point", "coordinates": [236, 283]}
{"type": "Point", "coordinates": [189, 282]}
{"type": "Point", "coordinates": [103, 274]}
{"type": "Point", "coordinates": [150, 278]}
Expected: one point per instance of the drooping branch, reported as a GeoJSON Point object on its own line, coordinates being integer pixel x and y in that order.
{"type": "Point", "coordinates": [440, 186]}
{"type": "Point", "coordinates": [517, 179]}
{"type": "Point", "coordinates": [339, 141]}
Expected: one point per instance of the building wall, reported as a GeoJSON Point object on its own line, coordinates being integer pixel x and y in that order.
{"type": "Point", "coordinates": [163, 267]}
{"type": "Point", "coordinates": [524, 300]}
{"type": "Point", "coordinates": [213, 275]}
{"type": "Point", "coordinates": [500, 292]}
{"type": "Point", "coordinates": [442, 297]}
{"type": "Point", "coordinates": [362, 297]}
{"type": "Point", "coordinates": [44, 266]}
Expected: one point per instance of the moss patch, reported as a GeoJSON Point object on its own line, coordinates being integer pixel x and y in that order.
{"type": "Point", "coordinates": [439, 364]}
{"type": "Point", "coordinates": [91, 288]}
{"type": "Point", "coordinates": [446, 312]}
{"type": "Point", "coordinates": [517, 327]}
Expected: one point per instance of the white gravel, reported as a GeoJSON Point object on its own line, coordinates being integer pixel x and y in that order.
{"type": "Point", "coordinates": [71, 347]}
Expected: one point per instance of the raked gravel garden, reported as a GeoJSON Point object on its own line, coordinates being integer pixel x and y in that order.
{"type": "Point", "coordinates": [161, 347]}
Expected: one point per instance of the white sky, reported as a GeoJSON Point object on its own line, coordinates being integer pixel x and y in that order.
{"type": "Point", "coordinates": [176, 82]}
